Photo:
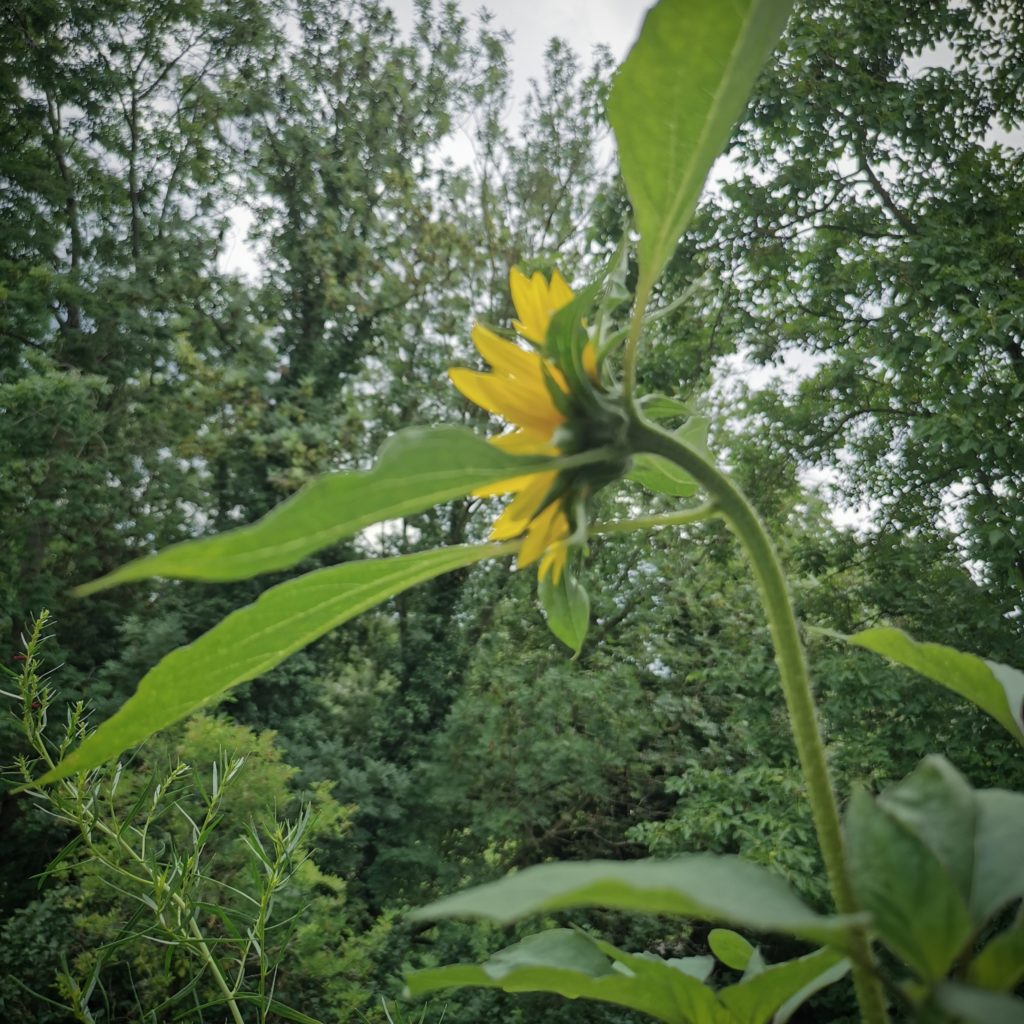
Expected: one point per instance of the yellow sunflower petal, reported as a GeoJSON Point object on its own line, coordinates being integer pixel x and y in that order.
{"type": "Point", "coordinates": [519, 515]}
{"type": "Point", "coordinates": [536, 301]}
{"type": "Point", "coordinates": [508, 359]}
{"type": "Point", "coordinates": [527, 404]}
{"type": "Point", "coordinates": [524, 442]}
{"type": "Point", "coordinates": [559, 293]}
{"type": "Point", "coordinates": [529, 303]}
{"type": "Point", "coordinates": [590, 361]}
{"type": "Point", "coordinates": [545, 529]}
{"type": "Point", "coordinates": [554, 561]}
{"type": "Point", "coordinates": [519, 442]}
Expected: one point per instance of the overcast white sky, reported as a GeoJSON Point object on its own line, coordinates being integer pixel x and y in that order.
{"type": "Point", "coordinates": [583, 23]}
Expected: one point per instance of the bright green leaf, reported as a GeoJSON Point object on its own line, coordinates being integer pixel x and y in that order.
{"type": "Point", "coordinates": [754, 1000]}
{"type": "Point", "coordinates": [730, 947]}
{"type": "Point", "coordinates": [996, 689]}
{"type": "Point", "coordinates": [573, 965]}
{"type": "Point", "coordinates": [253, 639]}
{"type": "Point", "coordinates": [915, 905]}
{"type": "Point", "coordinates": [712, 888]}
{"type": "Point", "coordinates": [827, 977]}
{"type": "Point", "coordinates": [415, 469]}
{"type": "Point", "coordinates": [674, 102]}
{"type": "Point", "coordinates": [936, 803]}
{"type": "Point", "coordinates": [566, 607]}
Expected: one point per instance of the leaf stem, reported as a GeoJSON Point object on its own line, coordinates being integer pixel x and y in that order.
{"type": "Point", "coordinates": [734, 507]}
{"type": "Point", "coordinates": [643, 296]}
{"type": "Point", "coordinates": [697, 514]}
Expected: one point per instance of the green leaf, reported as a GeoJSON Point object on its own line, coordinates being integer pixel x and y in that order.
{"type": "Point", "coordinates": [254, 639]}
{"type": "Point", "coordinates": [415, 469]}
{"type": "Point", "coordinates": [576, 966]}
{"type": "Point", "coordinates": [915, 905]}
{"type": "Point", "coordinates": [996, 689]}
{"type": "Point", "coordinates": [703, 886]}
{"type": "Point", "coordinates": [1000, 965]}
{"type": "Point", "coordinates": [664, 477]}
{"type": "Point", "coordinates": [674, 102]}
{"type": "Point", "coordinates": [566, 607]}
{"type": "Point", "coordinates": [976, 1006]}
{"type": "Point", "coordinates": [936, 803]}
{"type": "Point", "coordinates": [754, 1000]}
{"type": "Point", "coordinates": [730, 947]}
{"type": "Point", "coordinates": [827, 977]}
{"type": "Point", "coordinates": [998, 852]}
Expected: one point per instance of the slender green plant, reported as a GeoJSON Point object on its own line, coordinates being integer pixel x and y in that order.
{"type": "Point", "coordinates": [930, 870]}
{"type": "Point", "coordinates": [123, 836]}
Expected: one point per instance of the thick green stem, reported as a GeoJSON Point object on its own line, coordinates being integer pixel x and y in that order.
{"type": "Point", "coordinates": [789, 655]}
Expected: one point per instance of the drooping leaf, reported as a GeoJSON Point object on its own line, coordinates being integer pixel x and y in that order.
{"type": "Point", "coordinates": [756, 999]}
{"type": "Point", "coordinates": [712, 888]}
{"type": "Point", "coordinates": [664, 477]}
{"type": "Point", "coordinates": [415, 469]}
{"type": "Point", "coordinates": [915, 905]}
{"type": "Point", "coordinates": [996, 689]}
{"type": "Point", "coordinates": [253, 639]}
{"type": "Point", "coordinates": [566, 607]}
{"type": "Point", "coordinates": [674, 102]}
{"type": "Point", "coordinates": [576, 966]}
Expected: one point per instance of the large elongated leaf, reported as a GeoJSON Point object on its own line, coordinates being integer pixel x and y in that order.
{"type": "Point", "coordinates": [415, 470]}
{"type": "Point", "coordinates": [259, 636]}
{"type": "Point", "coordinates": [674, 102]}
{"type": "Point", "coordinates": [995, 688]}
{"type": "Point", "coordinates": [576, 966]}
{"type": "Point", "coordinates": [713, 888]}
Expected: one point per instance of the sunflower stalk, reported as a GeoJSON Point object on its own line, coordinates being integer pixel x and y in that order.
{"type": "Point", "coordinates": [730, 502]}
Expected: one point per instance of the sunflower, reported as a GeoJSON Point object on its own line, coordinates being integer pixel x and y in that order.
{"type": "Point", "coordinates": [526, 389]}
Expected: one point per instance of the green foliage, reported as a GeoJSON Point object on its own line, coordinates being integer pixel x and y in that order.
{"type": "Point", "coordinates": [673, 104]}
{"type": "Point", "coordinates": [150, 398]}
{"type": "Point", "coordinates": [995, 688]}
{"type": "Point", "coordinates": [575, 965]}
{"type": "Point", "coordinates": [285, 619]}
{"type": "Point", "coordinates": [566, 608]}
{"type": "Point", "coordinates": [195, 861]}
{"type": "Point", "coordinates": [935, 862]}
{"type": "Point", "coordinates": [415, 470]}
{"type": "Point", "coordinates": [712, 888]}
{"type": "Point", "coordinates": [863, 251]}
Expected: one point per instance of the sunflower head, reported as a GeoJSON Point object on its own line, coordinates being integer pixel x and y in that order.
{"type": "Point", "coordinates": [550, 392]}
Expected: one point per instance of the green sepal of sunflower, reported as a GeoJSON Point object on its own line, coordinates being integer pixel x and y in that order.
{"type": "Point", "coordinates": [563, 402]}
{"type": "Point", "coordinates": [566, 340]}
